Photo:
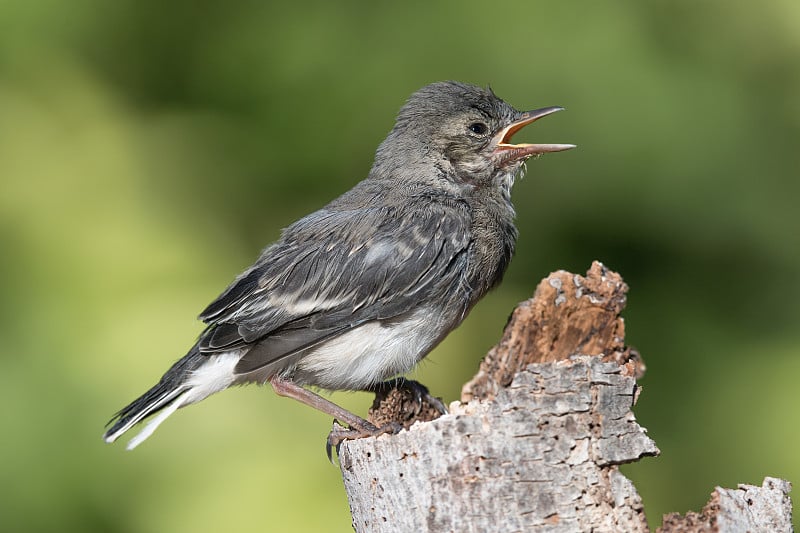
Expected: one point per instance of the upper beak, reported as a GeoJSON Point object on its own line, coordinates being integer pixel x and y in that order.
{"type": "Point", "coordinates": [506, 152]}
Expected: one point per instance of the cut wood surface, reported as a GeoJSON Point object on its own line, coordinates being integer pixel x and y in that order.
{"type": "Point", "coordinates": [536, 441]}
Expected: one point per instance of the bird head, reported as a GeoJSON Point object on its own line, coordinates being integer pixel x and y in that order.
{"type": "Point", "coordinates": [465, 132]}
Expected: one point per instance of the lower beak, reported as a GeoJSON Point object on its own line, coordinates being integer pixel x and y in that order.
{"type": "Point", "coordinates": [505, 152]}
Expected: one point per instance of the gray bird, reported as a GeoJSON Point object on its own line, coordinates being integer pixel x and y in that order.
{"type": "Point", "coordinates": [367, 286]}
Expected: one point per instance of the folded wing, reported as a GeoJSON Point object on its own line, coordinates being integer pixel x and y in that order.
{"type": "Point", "coordinates": [331, 272]}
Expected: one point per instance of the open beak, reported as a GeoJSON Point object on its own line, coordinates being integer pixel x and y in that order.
{"type": "Point", "coordinates": [505, 152]}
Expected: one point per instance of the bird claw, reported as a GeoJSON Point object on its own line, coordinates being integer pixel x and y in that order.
{"type": "Point", "coordinates": [340, 434]}
{"type": "Point", "coordinates": [421, 398]}
{"type": "Point", "coordinates": [421, 393]}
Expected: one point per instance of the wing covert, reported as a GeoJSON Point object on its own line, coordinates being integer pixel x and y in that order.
{"type": "Point", "coordinates": [332, 271]}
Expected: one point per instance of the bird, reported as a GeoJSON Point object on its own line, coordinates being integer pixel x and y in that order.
{"type": "Point", "coordinates": [364, 288]}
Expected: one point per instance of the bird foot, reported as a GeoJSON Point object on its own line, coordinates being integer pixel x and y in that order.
{"type": "Point", "coordinates": [399, 402]}
{"type": "Point", "coordinates": [405, 401]}
{"type": "Point", "coordinates": [340, 434]}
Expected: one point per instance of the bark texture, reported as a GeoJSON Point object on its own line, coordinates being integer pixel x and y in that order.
{"type": "Point", "coordinates": [541, 455]}
{"type": "Point", "coordinates": [535, 443]}
{"type": "Point", "coordinates": [569, 314]}
{"type": "Point", "coordinates": [767, 508]}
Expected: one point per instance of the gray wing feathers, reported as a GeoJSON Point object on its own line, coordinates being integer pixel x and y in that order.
{"type": "Point", "coordinates": [330, 273]}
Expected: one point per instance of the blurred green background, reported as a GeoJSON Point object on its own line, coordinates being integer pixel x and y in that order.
{"type": "Point", "coordinates": [149, 150]}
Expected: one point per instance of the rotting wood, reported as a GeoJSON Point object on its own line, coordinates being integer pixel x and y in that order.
{"type": "Point", "coordinates": [535, 443]}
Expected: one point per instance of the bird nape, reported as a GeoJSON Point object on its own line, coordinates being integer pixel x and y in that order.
{"type": "Point", "coordinates": [361, 290]}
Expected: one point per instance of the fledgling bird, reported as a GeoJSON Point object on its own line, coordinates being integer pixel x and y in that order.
{"type": "Point", "coordinates": [367, 286]}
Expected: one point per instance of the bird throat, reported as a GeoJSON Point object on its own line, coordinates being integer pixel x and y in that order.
{"type": "Point", "coordinates": [505, 179]}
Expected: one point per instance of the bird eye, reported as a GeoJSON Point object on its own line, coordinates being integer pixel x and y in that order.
{"type": "Point", "coordinates": [478, 128]}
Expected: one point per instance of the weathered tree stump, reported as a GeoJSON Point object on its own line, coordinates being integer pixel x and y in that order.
{"type": "Point", "coordinates": [747, 508]}
{"type": "Point", "coordinates": [535, 443]}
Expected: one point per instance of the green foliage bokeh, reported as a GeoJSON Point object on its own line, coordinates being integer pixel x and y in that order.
{"type": "Point", "coordinates": [149, 150]}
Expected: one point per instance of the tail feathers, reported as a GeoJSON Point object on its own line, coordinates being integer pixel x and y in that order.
{"type": "Point", "coordinates": [155, 422]}
{"type": "Point", "coordinates": [170, 393]}
{"type": "Point", "coordinates": [151, 402]}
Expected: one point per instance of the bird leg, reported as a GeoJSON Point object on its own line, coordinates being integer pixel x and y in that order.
{"type": "Point", "coordinates": [359, 427]}
{"type": "Point", "coordinates": [289, 389]}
